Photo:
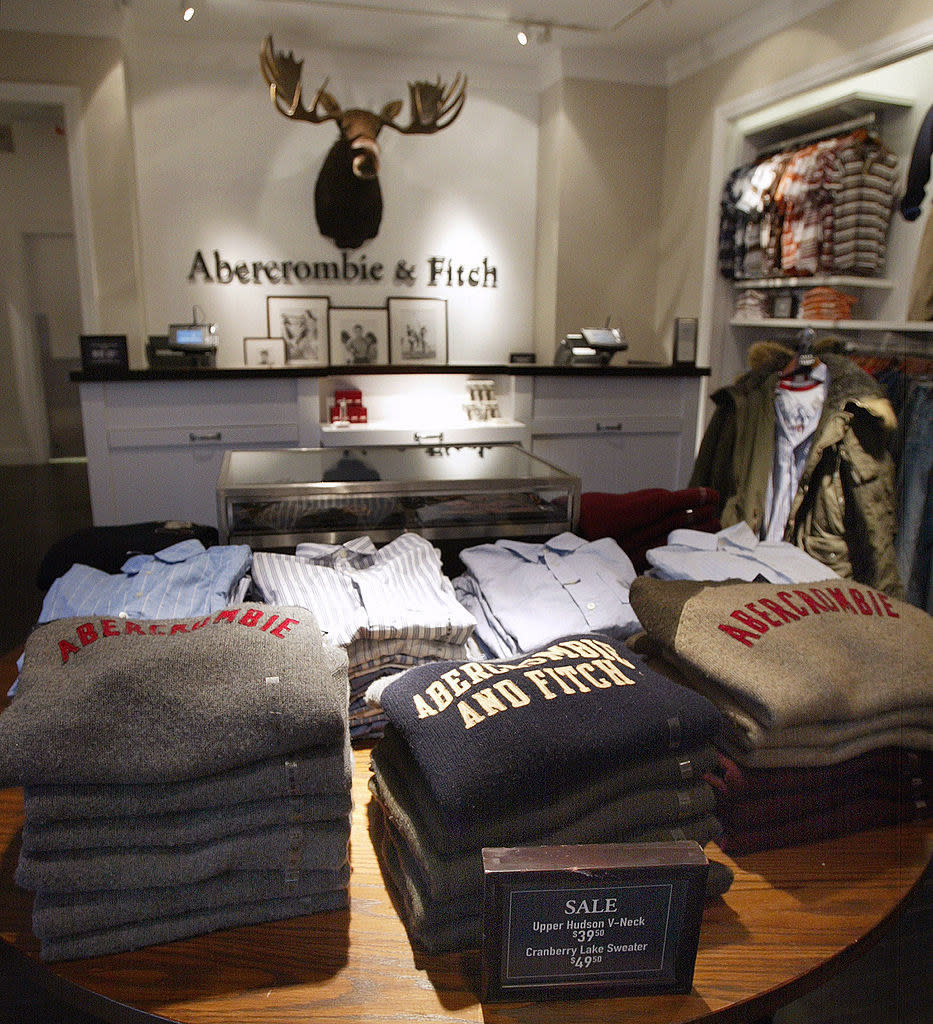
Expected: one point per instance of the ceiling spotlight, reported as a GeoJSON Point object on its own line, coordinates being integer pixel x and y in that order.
{"type": "Point", "coordinates": [187, 11]}
{"type": "Point", "coordinates": [523, 37]}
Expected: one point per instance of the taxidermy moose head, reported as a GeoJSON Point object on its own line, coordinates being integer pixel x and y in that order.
{"type": "Point", "coordinates": [347, 196]}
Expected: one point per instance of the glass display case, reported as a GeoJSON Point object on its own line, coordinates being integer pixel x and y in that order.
{"type": "Point", "coordinates": [278, 498]}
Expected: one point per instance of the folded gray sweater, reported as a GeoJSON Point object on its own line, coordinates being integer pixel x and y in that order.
{"type": "Point", "coordinates": [320, 770]}
{"type": "Point", "coordinates": [56, 915]}
{"type": "Point", "coordinates": [444, 923]}
{"type": "Point", "coordinates": [116, 701]}
{"type": "Point", "coordinates": [321, 846]}
{"type": "Point", "coordinates": [182, 926]}
{"type": "Point", "coordinates": [629, 818]}
{"type": "Point", "coordinates": [143, 831]}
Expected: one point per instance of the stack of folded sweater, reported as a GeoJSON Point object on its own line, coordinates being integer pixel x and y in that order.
{"type": "Point", "coordinates": [827, 304]}
{"type": "Point", "coordinates": [388, 608]}
{"type": "Point", "coordinates": [764, 809]}
{"type": "Point", "coordinates": [639, 520]}
{"type": "Point", "coordinates": [809, 677]}
{"type": "Point", "coordinates": [179, 775]}
{"type": "Point", "coordinates": [751, 304]}
{"type": "Point", "coordinates": [577, 742]}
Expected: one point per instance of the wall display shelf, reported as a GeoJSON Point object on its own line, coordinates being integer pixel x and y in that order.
{"type": "Point", "coordinates": [879, 300]}
{"type": "Point", "coordinates": [817, 281]}
{"type": "Point", "coordinates": [798, 126]}
{"type": "Point", "coordinates": [874, 326]}
{"type": "Point", "coordinates": [386, 432]}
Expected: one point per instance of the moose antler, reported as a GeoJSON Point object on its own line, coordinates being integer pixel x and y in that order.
{"type": "Point", "coordinates": [433, 106]}
{"type": "Point", "coordinates": [283, 74]}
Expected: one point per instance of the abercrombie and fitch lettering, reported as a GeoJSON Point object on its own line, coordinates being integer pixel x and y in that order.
{"type": "Point", "coordinates": [596, 667]}
{"type": "Point", "coordinates": [88, 633]}
{"type": "Point", "coordinates": [442, 271]}
{"type": "Point", "coordinates": [788, 606]}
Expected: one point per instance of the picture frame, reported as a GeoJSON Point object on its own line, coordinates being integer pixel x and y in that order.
{"type": "Point", "coordinates": [417, 331]}
{"type": "Point", "coordinates": [782, 306]}
{"type": "Point", "coordinates": [104, 351]}
{"type": "Point", "coordinates": [359, 336]}
{"type": "Point", "coordinates": [264, 352]}
{"type": "Point", "coordinates": [302, 322]}
{"type": "Point", "coordinates": [685, 341]}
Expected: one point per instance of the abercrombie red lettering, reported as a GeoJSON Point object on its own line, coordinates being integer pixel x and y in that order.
{"type": "Point", "coordinates": [89, 632]}
{"type": "Point", "coordinates": [848, 600]}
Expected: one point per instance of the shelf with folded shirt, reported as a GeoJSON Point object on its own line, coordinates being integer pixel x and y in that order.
{"type": "Point", "coordinates": [795, 323]}
{"type": "Point", "coordinates": [818, 280]}
{"type": "Point", "coordinates": [793, 303]}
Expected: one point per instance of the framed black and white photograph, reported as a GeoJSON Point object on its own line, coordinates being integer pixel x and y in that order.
{"type": "Point", "coordinates": [301, 321]}
{"type": "Point", "coordinates": [264, 351]}
{"type": "Point", "coordinates": [418, 331]}
{"type": "Point", "coordinates": [358, 336]}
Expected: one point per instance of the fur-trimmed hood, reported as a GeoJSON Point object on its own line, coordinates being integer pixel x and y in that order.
{"type": "Point", "coordinates": [848, 384]}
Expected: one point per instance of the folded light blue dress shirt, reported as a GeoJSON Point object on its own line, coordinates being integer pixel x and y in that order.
{"type": "Point", "coordinates": [526, 594]}
{"type": "Point", "coordinates": [181, 580]}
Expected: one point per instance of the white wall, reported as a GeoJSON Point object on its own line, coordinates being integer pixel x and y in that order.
{"type": "Point", "coordinates": [220, 169]}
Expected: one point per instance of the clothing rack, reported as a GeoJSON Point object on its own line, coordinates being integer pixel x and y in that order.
{"type": "Point", "coordinates": [843, 128]}
{"type": "Point", "coordinates": [890, 345]}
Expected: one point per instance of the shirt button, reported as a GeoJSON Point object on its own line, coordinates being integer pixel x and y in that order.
{"type": "Point", "coordinates": [590, 605]}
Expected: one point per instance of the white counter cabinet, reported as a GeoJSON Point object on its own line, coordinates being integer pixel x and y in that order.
{"type": "Point", "coordinates": [155, 441]}
{"type": "Point", "coordinates": [618, 434]}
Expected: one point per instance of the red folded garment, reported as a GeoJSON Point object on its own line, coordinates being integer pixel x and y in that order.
{"type": "Point", "coordinates": [733, 781]}
{"type": "Point", "coordinates": [611, 515]}
{"type": "Point", "coordinates": [856, 816]}
{"type": "Point", "coordinates": [639, 542]}
{"type": "Point", "coordinates": [777, 809]}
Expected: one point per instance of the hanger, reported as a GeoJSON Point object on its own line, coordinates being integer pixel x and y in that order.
{"type": "Point", "coordinates": [798, 371]}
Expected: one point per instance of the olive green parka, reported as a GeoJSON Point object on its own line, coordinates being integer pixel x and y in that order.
{"type": "Point", "coordinates": [844, 511]}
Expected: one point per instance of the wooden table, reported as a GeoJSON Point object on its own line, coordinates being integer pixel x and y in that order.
{"type": "Point", "coordinates": [791, 918]}
{"type": "Point", "coordinates": [789, 921]}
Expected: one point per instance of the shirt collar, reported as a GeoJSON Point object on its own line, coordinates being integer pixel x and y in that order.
{"type": "Point", "coordinates": [532, 552]}
{"type": "Point", "coordinates": [174, 553]}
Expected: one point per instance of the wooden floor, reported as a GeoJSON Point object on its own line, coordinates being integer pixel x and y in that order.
{"type": "Point", "coordinates": [891, 984]}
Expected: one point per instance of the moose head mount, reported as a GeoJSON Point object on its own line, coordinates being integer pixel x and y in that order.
{"type": "Point", "coordinates": [347, 195]}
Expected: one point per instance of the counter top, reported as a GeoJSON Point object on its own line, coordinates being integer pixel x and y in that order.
{"type": "Point", "coordinates": [516, 370]}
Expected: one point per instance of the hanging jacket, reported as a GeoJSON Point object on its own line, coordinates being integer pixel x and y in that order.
{"type": "Point", "coordinates": [843, 512]}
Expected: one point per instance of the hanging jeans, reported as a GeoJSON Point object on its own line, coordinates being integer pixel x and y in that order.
{"type": "Point", "coordinates": [915, 537]}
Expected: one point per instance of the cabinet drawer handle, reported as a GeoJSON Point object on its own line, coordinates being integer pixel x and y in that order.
{"type": "Point", "coordinates": [429, 437]}
{"type": "Point", "coordinates": [204, 437]}
{"type": "Point", "coordinates": [608, 426]}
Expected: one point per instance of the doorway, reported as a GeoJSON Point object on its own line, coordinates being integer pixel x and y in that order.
{"type": "Point", "coordinates": [52, 278]}
{"type": "Point", "coordinates": [46, 301]}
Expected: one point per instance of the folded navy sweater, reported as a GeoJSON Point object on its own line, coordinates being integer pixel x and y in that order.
{"type": "Point", "coordinates": [484, 735]}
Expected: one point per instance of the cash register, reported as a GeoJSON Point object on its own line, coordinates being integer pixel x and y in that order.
{"type": "Point", "coordinates": [593, 346]}
{"type": "Point", "coordinates": [185, 347]}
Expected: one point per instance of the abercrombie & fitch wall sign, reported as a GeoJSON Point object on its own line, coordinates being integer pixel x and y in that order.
{"type": "Point", "coordinates": [439, 271]}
